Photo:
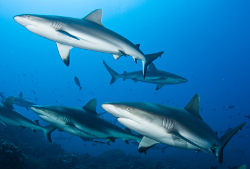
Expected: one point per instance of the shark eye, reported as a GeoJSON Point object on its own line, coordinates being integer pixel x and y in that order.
{"type": "Point", "coordinates": [128, 108]}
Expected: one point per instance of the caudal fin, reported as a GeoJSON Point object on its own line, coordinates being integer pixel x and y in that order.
{"type": "Point", "coordinates": [114, 74]}
{"type": "Point", "coordinates": [47, 132]}
{"type": "Point", "coordinates": [149, 58]}
{"type": "Point", "coordinates": [225, 139]}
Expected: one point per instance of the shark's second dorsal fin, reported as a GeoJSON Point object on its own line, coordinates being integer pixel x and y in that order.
{"type": "Point", "coordinates": [91, 106]}
{"type": "Point", "coordinates": [95, 16]}
{"type": "Point", "coordinates": [193, 106]}
{"type": "Point", "coordinates": [152, 68]}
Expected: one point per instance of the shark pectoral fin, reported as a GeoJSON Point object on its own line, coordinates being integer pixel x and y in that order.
{"type": "Point", "coordinates": [158, 86]}
{"type": "Point", "coordinates": [193, 106]}
{"type": "Point", "coordinates": [64, 52]}
{"type": "Point", "coordinates": [116, 56]}
{"type": "Point", "coordinates": [134, 79]}
{"type": "Point", "coordinates": [91, 106]}
{"type": "Point", "coordinates": [146, 143]}
{"type": "Point", "coordinates": [95, 16]}
{"type": "Point", "coordinates": [47, 132]}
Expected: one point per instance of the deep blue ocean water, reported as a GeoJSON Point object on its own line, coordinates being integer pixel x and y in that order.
{"type": "Point", "coordinates": [207, 42]}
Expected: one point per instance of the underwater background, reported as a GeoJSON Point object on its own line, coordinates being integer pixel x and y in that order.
{"type": "Point", "coordinates": [207, 42]}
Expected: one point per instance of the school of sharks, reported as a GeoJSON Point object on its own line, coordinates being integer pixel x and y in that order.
{"type": "Point", "coordinates": [145, 124]}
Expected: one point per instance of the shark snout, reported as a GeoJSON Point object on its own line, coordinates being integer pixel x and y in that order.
{"type": "Point", "coordinates": [183, 80]}
{"type": "Point", "coordinates": [22, 20]}
{"type": "Point", "coordinates": [113, 109]}
{"type": "Point", "coordinates": [38, 109]}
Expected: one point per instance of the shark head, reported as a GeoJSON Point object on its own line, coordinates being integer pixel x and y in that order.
{"type": "Point", "coordinates": [133, 117]}
{"type": "Point", "coordinates": [50, 114]}
{"type": "Point", "coordinates": [45, 26]}
{"type": "Point", "coordinates": [28, 20]}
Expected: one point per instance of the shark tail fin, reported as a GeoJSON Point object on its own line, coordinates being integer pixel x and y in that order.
{"type": "Point", "coordinates": [225, 139]}
{"type": "Point", "coordinates": [113, 73]}
{"type": "Point", "coordinates": [47, 132]}
{"type": "Point", "coordinates": [149, 58]}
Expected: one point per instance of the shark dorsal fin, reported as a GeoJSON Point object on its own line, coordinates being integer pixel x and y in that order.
{"type": "Point", "coordinates": [152, 68]}
{"type": "Point", "coordinates": [95, 16]}
{"type": "Point", "coordinates": [21, 95]}
{"type": "Point", "coordinates": [193, 106]}
{"type": "Point", "coordinates": [90, 106]}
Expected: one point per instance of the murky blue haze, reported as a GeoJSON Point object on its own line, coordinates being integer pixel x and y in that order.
{"type": "Point", "coordinates": [207, 42]}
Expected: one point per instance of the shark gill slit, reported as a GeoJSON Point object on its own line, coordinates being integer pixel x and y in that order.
{"type": "Point", "coordinates": [168, 123]}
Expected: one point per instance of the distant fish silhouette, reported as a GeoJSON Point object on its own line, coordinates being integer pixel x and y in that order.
{"type": "Point", "coordinates": [247, 116]}
{"type": "Point", "coordinates": [77, 82]}
{"type": "Point", "coordinates": [231, 106]}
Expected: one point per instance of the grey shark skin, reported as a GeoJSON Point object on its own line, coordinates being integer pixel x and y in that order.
{"type": "Point", "coordinates": [83, 122]}
{"type": "Point", "coordinates": [10, 117]}
{"type": "Point", "coordinates": [154, 76]}
{"type": "Point", "coordinates": [181, 128]}
{"type": "Point", "coordinates": [86, 33]}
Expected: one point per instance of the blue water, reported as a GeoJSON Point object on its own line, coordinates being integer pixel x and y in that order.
{"type": "Point", "coordinates": [207, 42]}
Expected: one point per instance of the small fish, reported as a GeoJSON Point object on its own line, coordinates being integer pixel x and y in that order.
{"type": "Point", "coordinates": [231, 106]}
{"type": "Point", "coordinates": [247, 116]}
{"type": "Point", "coordinates": [77, 82]}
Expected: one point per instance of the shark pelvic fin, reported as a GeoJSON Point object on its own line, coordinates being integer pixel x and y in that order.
{"type": "Point", "coordinates": [158, 86]}
{"type": "Point", "coordinates": [146, 143]}
{"type": "Point", "coordinates": [91, 106]}
{"type": "Point", "coordinates": [95, 16]}
{"type": "Point", "coordinates": [64, 52]}
{"type": "Point", "coordinates": [193, 106]}
{"type": "Point", "coordinates": [116, 56]}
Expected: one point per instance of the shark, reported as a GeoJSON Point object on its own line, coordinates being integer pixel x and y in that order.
{"type": "Point", "coordinates": [177, 127]}
{"type": "Point", "coordinates": [86, 33]}
{"type": "Point", "coordinates": [84, 123]}
{"type": "Point", "coordinates": [10, 117]}
{"type": "Point", "coordinates": [155, 76]}
{"type": "Point", "coordinates": [16, 100]}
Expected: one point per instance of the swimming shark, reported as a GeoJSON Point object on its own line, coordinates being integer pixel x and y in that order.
{"type": "Point", "coordinates": [154, 76]}
{"type": "Point", "coordinates": [83, 122]}
{"type": "Point", "coordinates": [183, 128]}
{"type": "Point", "coordinates": [19, 101]}
{"type": "Point", "coordinates": [86, 33]}
{"type": "Point", "coordinates": [10, 117]}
